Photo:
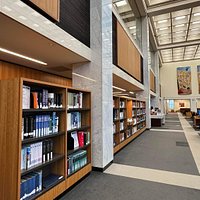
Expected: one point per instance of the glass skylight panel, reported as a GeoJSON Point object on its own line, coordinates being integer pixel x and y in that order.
{"type": "Point", "coordinates": [121, 3]}
{"type": "Point", "coordinates": [165, 41]}
{"type": "Point", "coordinates": [179, 39]}
{"type": "Point", "coordinates": [181, 13]}
{"type": "Point", "coordinates": [161, 17]}
{"type": "Point", "coordinates": [154, 2]}
{"type": "Point", "coordinates": [196, 9]}
{"type": "Point", "coordinates": [194, 37]}
{"type": "Point", "coordinates": [178, 50]}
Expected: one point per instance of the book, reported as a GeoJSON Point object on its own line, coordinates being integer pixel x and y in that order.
{"type": "Point", "coordinates": [81, 138]}
{"type": "Point", "coordinates": [75, 137]}
{"type": "Point", "coordinates": [26, 97]}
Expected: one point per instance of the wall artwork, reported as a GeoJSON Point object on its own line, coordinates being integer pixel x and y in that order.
{"type": "Point", "coordinates": [184, 80]}
{"type": "Point", "coordinates": [198, 76]}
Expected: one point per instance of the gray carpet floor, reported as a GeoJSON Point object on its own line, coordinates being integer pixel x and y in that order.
{"type": "Point", "coordinates": [153, 149]}
{"type": "Point", "coordinates": [158, 150]}
{"type": "Point", "coordinates": [99, 186]}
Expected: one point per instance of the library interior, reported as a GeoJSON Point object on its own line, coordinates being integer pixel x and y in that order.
{"type": "Point", "coordinates": [99, 99]}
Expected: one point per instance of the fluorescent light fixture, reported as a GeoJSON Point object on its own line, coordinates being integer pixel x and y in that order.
{"type": "Point", "coordinates": [121, 3]}
{"type": "Point", "coordinates": [118, 88]}
{"type": "Point", "coordinates": [162, 21]}
{"type": "Point", "coordinates": [180, 17]}
{"type": "Point", "coordinates": [196, 14]}
{"type": "Point", "coordinates": [162, 29]}
{"type": "Point", "coordinates": [196, 22]}
{"type": "Point", "coordinates": [179, 31]}
{"type": "Point", "coordinates": [90, 79]}
{"type": "Point", "coordinates": [194, 29]}
{"type": "Point", "coordinates": [179, 25]}
{"type": "Point", "coordinates": [7, 8]}
{"type": "Point", "coordinates": [132, 27]}
{"type": "Point", "coordinates": [131, 92]}
{"type": "Point", "coordinates": [22, 56]}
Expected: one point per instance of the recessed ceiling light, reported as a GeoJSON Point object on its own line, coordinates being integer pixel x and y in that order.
{"type": "Point", "coordinates": [20, 4]}
{"type": "Point", "coordinates": [132, 27]}
{"type": "Point", "coordinates": [36, 14]}
{"type": "Point", "coordinates": [179, 25]}
{"type": "Point", "coordinates": [131, 92]}
{"type": "Point", "coordinates": [121, 3]}
{"type": "Point", "coordinates": [180, 17]}
{"type": "Point", "coordinates": [162, 21]}
{"type": "Point", "coordinates": [22, 17]}
{"type": "Point", "coordinates": [118, 88]}
{"type": "Point", "coordinates": [162, 29]}
{"type": "Point", "coordinates": [197, 22]}
{"type": "Point", "coordinates": [36, 25]}
{"type": "Point", "coordinates": [22, 56]}
{"type": "Point", "coordinates": [196, 14]}
{"type": "Point", "coordinates": [7, 8]}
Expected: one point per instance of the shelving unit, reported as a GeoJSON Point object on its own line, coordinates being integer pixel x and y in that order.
{"type": "Point", "coordinates": [134, 121]}
{"type": "Point", "coordinates": [40, 155]}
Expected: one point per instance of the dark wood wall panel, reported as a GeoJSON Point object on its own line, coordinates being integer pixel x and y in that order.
{"type": "Point", "coordinates": [75, 19]}
{"type": "Point", "coordinates": [114, 39]}
{"type": "Point", "coordinates": [11, 71]}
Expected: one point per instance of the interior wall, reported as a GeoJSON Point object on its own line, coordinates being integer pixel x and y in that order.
{"type": "Point", "coordinates": [11, 71]}
{"type": "Point", "coordinates": [177, 106]}
{"type": "Point", "coordinates": [168, 78]}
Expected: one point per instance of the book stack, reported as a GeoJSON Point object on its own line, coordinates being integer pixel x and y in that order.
{"type": "Point", "coordinates": [115, 114]}
{"type": "Point", "coordinates": [134, 129]}
{"type": "Point", "coordinates": [30, 184]}
{"type": "Point", "coordinates": [122, 104]}
{"type": "Point", "coordinates": [121, 115]}
{"type": "Point", "coordinates": [80, 138]}
{"type": "Point", "coordinates": [76, 161]}
{"type": "Point", "coordinates": [40, 98]}
{"type": "Point", "coordinates": [121, 126]}
{"type": "Point", "coordinates": [75, 100]}
{"type": "Point", "coordinates": [114, 128]}
{"type": "Point", "coordinates": [122, 138]}
{"type": "Point", "coordinates": [36, 153]}
{"type": "Point", "coordinates": [134, 104]}
{"type": "Point", "coordinates": [39, 125]}
{"type": "Point", "coordinates": [73, 120]}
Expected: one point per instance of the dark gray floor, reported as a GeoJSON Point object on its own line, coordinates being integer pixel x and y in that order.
{"type": "Point", "coordinates": [99, 186]}
{"type": "Point", "coordinates": [158, 150]}
{"type": "Point", "coordinates": [153, 149]}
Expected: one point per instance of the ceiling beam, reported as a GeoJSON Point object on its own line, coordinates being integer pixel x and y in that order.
{"type": "Point", "coordinates": [171, 7]}
{"type": "Point", "coordinates": [181, 44]}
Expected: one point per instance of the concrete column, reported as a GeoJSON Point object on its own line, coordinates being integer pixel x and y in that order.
{"type": "Point", "coordinates": [96, 76]}
{"type": "Point", "coordinates": [146, 70]}
{"type": "Point", "coordinates": [193, 104]}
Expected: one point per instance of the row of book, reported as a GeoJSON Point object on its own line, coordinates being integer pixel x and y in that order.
{"type": "Point", "coordinates": [121, 115]}
{"type": "Point", "coordinates": [73, 120]}
{"type": "Point", "coordinates": [122, 137]}
{"type": "Point", "coordinates": [114, 128]}
{"type": "Point", "coordinates": [78, 139]}
{"type": "Point", "coordinates": [138, 104]}
{"type": "Point", "coordinates": [30, 184]}
{"type": "Point", "coordinates": [40, 98]}
{"type": "Point", "coordinates": [75, 100]}
{"type": "Point", "coordinates": [76, 161]}
{"type": "Point", "coordinates": [39, 125]}
{"type": "Point", "coordinates": [115, 114]}
{"type": "Point", "coordinates": [36, 153]}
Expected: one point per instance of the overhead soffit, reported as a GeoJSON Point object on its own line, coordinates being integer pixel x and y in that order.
{"type": "Point", "coordinates": [22, 40]}
{"type": "Point", "coordinates": [177, 33]}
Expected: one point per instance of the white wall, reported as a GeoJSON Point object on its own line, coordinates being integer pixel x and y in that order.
{"type": "Point", "coordinates": [168, 78]}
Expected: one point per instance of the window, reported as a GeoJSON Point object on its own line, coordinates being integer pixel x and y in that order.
{"type": "Point", "coordinates": [171, 104]}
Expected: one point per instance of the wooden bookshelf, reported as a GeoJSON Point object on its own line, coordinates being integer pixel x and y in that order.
{"type": "Point", "coordinates": [134, 121]}
{"type": "Point", "coordinates": [12, 140]}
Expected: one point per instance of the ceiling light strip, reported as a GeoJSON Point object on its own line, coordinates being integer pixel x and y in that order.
{"type": "Point", "coordinates": [22, 56]}
{"type": "Point", "coordinates": [118, 88]}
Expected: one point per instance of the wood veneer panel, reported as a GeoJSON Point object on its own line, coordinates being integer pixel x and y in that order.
{"type": "Point", "coordinates": [10, 146]}
{"type": "Point", "coordinates": [129, 108]}
{"type": "Point", "coordinates": [11, 71]}
{"type": "Point", "coordinates": [128, 57]}
{"type": "Point", "coordinates": [51, 7]}
{"type": "Point", "coordinates": [78, 175]}
{"type": "Point", "coordinates": [152, 81]}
